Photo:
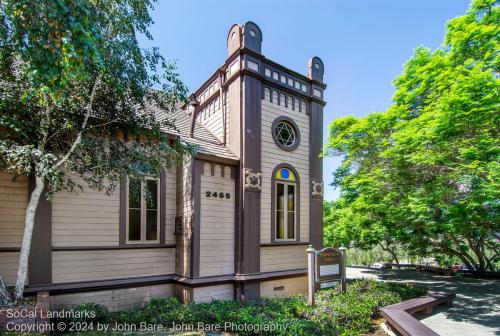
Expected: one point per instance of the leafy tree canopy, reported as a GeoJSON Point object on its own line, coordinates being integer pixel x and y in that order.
{"type": "Point", "coordinates": [425, 173]}
{"type": "Point", "coordinates": [78, 95]}
{"type": "Point", "coordinates": [71, 75]}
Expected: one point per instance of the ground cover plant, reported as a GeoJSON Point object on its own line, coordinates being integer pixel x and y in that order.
{"type": "Point", "coordinates": [350, 313]}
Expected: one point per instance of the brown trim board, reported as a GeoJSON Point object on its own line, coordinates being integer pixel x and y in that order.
{"type": "Point", "coordinates": [10, 249]}
{"type": "Point", "coordinates": [40, 258]}
{"type": "Point", "coordinates": [117, 247]}
{"type": "Point", "coordinates": [197, 171]}
{"type": "Point", "coordinates": [123, 212]}
{"type": "Point", "coordinates": [248, 225]}
{"type": "Point", "coordinates": [163, 202]}
{"type": "Point", "coordinates": [86, 286]}
{"type": "Point", "coordinates": [315, 173]}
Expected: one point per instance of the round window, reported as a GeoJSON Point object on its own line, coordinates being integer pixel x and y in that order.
{"type": "Point", "coordinates": [285, 133]}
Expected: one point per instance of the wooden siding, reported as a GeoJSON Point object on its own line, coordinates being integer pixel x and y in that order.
{"type": "Point", "coordinates": [283, 287]}
{"type": "Point", "coordinates": [217, 222]}
{"type": "Point", "coordinates": [8, 266]}
{"type": "Point", "coordinates": [207, 294]}
{"type": "Point", "coordinates": [85, 218]}
{"type": "Point", "coordinates": [185, 210]}
{"type": "Point", "coordinates": [211, 117]}
{"type": "Point", "coordinates": [13, 202]}
{"type": "Point", "coordinates": [170, 206]}
{"type": "Point", "coordinates": [272, 155]}
{"type": "Point", "coordinates": [280, 258]}
{"type": "Point", "coordinates": [114, 299]}
{"type": "Point", "coordinates": [71, 266]}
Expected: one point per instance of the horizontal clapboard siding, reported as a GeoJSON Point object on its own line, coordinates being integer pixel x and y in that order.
{"type": "Point", "coordinates": [85, 218]}
{"type": "Point", "coordinates": [272, 155]}
{"type": "Point", "coordinates": [280, 258]}
{"type": "Point", "coordinates": [170, 206]}
{"type": "Point", "coordinates": [71, 266]}
{"type": "Point", "coordinates": [13, 202]}
{"type": "Point", "coordinates": [8, 267]}
{"type": "Point", "coordinates": [283, 287]}
{"type": "Point", "coordinates": [207, 294]}
{"type": "Point", "coordinates": [217, 223]}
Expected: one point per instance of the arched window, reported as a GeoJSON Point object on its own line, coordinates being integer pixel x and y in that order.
{"type": "Point", "coordinates": [285, 204]}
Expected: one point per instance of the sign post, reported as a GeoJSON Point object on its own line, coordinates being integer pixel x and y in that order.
{"type": "Point", "coordinates": [326, 269]}
{"type": "Point", "coordinates": [311, 256]}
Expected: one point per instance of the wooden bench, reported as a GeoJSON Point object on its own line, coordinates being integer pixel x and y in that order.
{"type": "Point", "coordinates": [400, 320]}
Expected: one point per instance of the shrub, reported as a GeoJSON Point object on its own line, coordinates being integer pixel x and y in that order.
{"type": "Point", "coordinates": [336, 313]}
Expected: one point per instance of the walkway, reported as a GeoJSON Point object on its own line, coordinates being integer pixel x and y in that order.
{"type": "Point", "coordinates": [475, 311]}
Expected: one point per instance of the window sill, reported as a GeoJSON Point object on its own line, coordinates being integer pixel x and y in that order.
{"type": "Point", "coordinates": [116, 247]}
{"type": "Point", "coordinates": [284, 243]}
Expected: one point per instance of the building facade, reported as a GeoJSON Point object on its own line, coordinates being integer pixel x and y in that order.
{"type": "Point", "coordinates": [232, 222]}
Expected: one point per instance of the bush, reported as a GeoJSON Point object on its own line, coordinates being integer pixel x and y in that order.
{"type": "Point", "coordinates": [336, 313]}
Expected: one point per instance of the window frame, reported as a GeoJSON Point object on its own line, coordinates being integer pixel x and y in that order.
{"type": "Point", "coordinates": [285, 210]}
{"type": "Point", "coordinates": [294, 126]}
{"type": "Point", "coordinates": [143, 210]}
{"type": "Point", "coordinates": [274, 204]}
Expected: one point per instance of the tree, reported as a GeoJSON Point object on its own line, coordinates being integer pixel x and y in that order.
{"type": "Point", "coordinates": [425, 173]}
{"type": "Point", "coordinates": [73, 81]}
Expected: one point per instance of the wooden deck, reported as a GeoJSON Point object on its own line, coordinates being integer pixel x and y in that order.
{"type": "Point", "coordinates": [400, 320]}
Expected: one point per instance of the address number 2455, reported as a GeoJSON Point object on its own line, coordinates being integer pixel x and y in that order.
{"type": "Point", "coordinates": [217, 194]}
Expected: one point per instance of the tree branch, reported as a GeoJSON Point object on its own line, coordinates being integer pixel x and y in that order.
{"type": "Point", "coordinates": [84, 125]}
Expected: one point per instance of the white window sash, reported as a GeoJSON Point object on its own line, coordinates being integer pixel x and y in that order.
{"type": "Point", "coordinates": [144, 213]}
{"type": "Point", "coordinates": [285, 211]}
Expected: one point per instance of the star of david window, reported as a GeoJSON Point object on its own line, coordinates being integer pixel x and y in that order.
{"type": "Point", "coordinates": [285, 133]}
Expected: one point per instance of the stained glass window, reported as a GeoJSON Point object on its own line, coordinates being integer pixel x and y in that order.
{"type": "Point", "coordinates": [285, 134]}
{"type": "Point", "coordinates": [285, 174]}
{"type": "Point", "coordinates": [285, 204]}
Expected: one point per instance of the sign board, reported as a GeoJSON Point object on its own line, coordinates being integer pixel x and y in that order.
{"type": "Point", "coordinates": [326, 269]}
{"type": "Point", "coordinates": [329, 264]}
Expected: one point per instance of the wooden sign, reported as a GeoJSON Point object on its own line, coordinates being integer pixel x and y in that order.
{"type": "Point", "coordinates": [329, 264]}
{"type": "Point", "coordinates": [326, 269]}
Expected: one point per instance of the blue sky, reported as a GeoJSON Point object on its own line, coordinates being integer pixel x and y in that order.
{"type": "Point", "coordinates": [363, 44]}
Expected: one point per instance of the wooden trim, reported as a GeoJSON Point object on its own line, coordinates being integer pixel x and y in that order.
{"type": "Point", "coordinates": [10, 249]}
{"type": "Point", "coordinates": [204, 281]}
{"type": "Point", "coordinates": [315, 173]}
{"type": "Point", "coordinates": [272, 275]}
{"type": "Point", "coordinates": [95, 285]}
{"type": "Point", "coordinates": [123, 212]}
{"type": "Point", "coordinates": [163, 201]}
{"type": "Point", "coordinates": [85, 286]}
{"type": "Point", "coordinates": [273, 205]}
{"type": "Point", "coordinates": [40, 257]}
{"type": "Point", "coordinates": [218, 159]}
{"type": "Point", "coordinates": [249, 222]}
{"type": "Point", "coordinates": [284, 243]}
{"type": "Point", "coordinates": [117, 247]}
{"type": "Point", "coordinates": [197, 171]}
{"type": "Point", "coordinates": [295, 127]}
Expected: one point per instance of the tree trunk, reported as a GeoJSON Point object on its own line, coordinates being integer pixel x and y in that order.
{"type": "Point", "coordinates": [29, 221]}
{"type": "Point", "coordinates": [4, 294]}
{"type": "Point", "coordinates": [391, 252]}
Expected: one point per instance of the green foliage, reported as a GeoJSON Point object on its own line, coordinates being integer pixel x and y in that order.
{"type": "Point", "coordinates": [424, 174]}
{"type": "Point", "coordinates": [73, 80]}
{"type": "Point", "coordinates": [350, 313]}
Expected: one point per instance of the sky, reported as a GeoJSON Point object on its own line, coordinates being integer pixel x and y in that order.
{"type": "Point", "coordinates": [363, 44]}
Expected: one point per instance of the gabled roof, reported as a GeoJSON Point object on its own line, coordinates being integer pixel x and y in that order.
{"type": "Point", "coordinates": [205, 141]}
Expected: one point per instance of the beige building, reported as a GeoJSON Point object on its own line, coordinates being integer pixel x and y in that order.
{"type": "Point", "coordinates": [233, 222]}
